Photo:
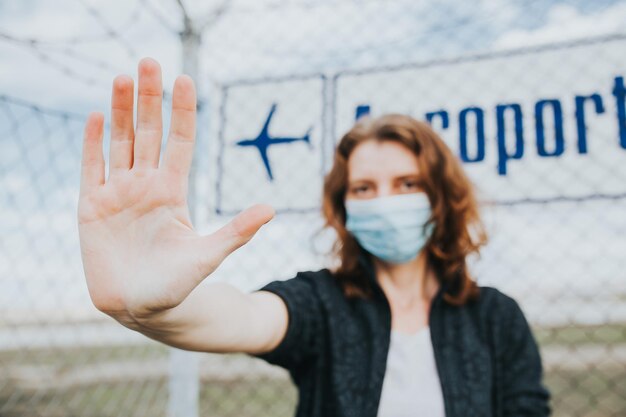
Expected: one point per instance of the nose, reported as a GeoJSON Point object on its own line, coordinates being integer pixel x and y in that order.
{"type": "Point", "coordinates": [384, 190]}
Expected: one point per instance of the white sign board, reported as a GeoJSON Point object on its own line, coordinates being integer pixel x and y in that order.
{"type": "Point", "coordinates": [271, 146]}
{"type": "Point", "coordinates": [546, 123]}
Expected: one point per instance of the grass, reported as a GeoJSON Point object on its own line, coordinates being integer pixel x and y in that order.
{"type": "Point", "coordinates": [606, 334]}
{"type": "Point", "coordinates": [241, 398]}
{"type": "Point", "coordinates": [588, 393]}
{"type": "Point", "coordinates": [246, 398]}
{"type": "Point", "coordinates": [592, 392]}
{"type": "Point", "coordinates": [66, 357]}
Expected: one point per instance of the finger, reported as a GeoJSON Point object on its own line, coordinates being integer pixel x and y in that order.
{"type": "Point", "coordinates": [182, 134]}
{"type": "Point", "coordinates": [149, 121]}
{"type": "Point", "coordinates": [92, 166]}
{"type": "Point", "coordinates": [122, 131]}
{"type": "Point", "coordinates": [238, 231]}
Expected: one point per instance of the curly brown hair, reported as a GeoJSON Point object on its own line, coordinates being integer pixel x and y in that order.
{"type": "Point", "coordinates": [458, 231]}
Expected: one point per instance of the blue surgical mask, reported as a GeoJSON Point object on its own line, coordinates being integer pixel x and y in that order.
{"type": "Point", "coordinates": [392, 228]}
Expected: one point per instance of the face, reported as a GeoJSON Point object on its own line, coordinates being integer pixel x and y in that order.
{"type": "Point", "coordinates": [378, 169]}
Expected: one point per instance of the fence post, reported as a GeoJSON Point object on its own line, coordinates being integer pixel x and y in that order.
{"type": "Point", "coordinates": [184, 381]}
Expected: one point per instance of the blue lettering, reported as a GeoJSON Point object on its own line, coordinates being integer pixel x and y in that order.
{"type": "Point", "coordinates": [479, 116]}
{"type": "Point", "coordinates": [580, 117]}
{"type": "Point", "coordinates": [503, 156]}
{"type": "Point", "coordinates": [558, 127]}
{"type": "Point", "coordinates": [442, 114]}
{"type": "Point", "coordinates": [619, 92]}
{"type": "Point", "coordinates": [509, 121]}
{"type": "Point", "coordinates": [361, 111]}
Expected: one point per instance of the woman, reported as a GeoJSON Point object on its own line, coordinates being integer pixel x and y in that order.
{"type": "Point", "coordinates": [398, 329]}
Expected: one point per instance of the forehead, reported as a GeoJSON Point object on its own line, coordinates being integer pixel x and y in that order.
{"type": "Point", "coordinates": [377, 160]}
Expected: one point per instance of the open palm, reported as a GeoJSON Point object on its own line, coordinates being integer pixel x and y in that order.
{"type": "Point", "coordinates": [140, 252]}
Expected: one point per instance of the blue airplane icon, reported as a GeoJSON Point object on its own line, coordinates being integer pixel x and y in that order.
{"type": "Point", "coordinates": [264, 140]}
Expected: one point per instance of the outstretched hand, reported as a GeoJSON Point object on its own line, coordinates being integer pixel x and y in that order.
{"type": "Point", "coordinates": [140, 252]}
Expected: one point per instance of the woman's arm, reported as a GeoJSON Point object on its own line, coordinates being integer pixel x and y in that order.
{"type": "Point", "coordinates": [142, 259]}
{"type": "Point", "coordinates": [217, 317]}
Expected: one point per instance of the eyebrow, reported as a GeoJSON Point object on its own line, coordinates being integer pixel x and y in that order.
{"type": "Point", "coordinates": [400, 177]}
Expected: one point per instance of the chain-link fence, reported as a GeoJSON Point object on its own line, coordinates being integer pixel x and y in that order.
{"type": "Point", "coordinates": [529, 94]}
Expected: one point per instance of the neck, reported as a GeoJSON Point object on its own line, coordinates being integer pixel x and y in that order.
{"type": "Point", "coordinates": [409, 283]}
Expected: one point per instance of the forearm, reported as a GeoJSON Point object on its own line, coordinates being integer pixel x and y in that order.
{"type": "Point", "coordinates": [215, 317]}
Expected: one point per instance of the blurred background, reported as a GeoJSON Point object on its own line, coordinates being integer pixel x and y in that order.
{"type": "Point", "coordinates": [529, 94]}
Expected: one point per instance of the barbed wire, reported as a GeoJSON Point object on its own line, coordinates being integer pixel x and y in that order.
{"type": "Point", "coordinates": [311, 4]}
{"type": "Point", "coordinates": [53, 52]}
{"type": "Point", "coordinates": [48, 50]}
{"type": "Point", "coordinates": [41, 109]}
{"type": "Point", "coordinates": [159, 17]}
{"type": "Point", "coordinates": [84, 38]}
{"type": "Point", "coordinates": [66, 69]}
{"type": "Point", "coordinates": [110, 30]}
{"type": "Point", "coordinates": [44, 53]}
{"type": "Point", "coordinates": [410, 39]}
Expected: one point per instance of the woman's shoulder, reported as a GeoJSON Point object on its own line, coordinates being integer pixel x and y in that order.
{"type": "Point", "coordinates": [321, 275]}
{"type": "Point", "coordinates": [324, 282]}
{"type": "Point", "coordinates": [326, 287]}
{"type": "Point", "coordinates": [491, 298]}
{"type": "Point", "coordinates": [318, 280]}
{"type": "Point", "coordinates": [489, 295]}
{"type": "Point", "coordinates": [315, 283]}
{"type": "Point", "coordinates": [498, 309]}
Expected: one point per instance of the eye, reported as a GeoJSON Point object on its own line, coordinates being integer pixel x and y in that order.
{"type": "Point", "coordinates": [360, 189]}
{"type": "Point", "coordinates": [411, 185]}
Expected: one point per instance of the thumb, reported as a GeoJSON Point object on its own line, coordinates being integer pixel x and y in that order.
{"type": "Point", "coordinates": [239, 230]}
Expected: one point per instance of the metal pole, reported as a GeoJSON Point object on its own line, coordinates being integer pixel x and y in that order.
{"type": "Point", "coordinates": [184, 381]}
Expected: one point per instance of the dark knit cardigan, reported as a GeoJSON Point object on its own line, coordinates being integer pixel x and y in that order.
{"type": "Point", "coordinates": [335, 350]}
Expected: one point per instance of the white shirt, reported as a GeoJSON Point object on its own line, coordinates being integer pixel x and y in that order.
{"type": "Point", "coordinates": [411, 386]}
